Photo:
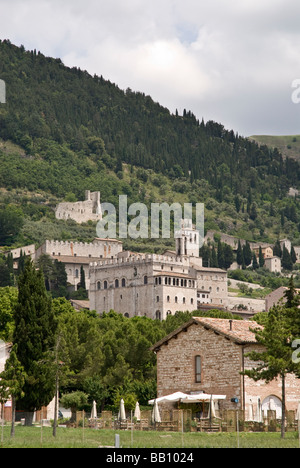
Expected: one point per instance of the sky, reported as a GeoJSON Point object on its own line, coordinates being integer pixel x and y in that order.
{"type": "Point", "coordinates": [231, 61]}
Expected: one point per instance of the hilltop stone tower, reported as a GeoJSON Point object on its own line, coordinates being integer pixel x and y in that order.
{"type": "Point", "coordinates": [82, 211]}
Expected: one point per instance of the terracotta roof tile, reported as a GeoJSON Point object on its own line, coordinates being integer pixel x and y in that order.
{"type": "Point", "coordinates": [238, 331]}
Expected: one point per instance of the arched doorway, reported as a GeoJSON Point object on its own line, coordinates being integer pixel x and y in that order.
{"type": "Point", "coordinates": [272, 403]}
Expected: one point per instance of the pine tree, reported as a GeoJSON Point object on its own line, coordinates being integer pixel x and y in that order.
{"type": "Point", "coordinates": [34, 335]}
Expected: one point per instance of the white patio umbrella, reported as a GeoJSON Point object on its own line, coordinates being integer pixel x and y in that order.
{"type": "Point", "coordinates": [94, 411]}
{"type": "Point", "coordinates": [155, 413]}
{"type": "Point", "coordinates": [212, 410]}
{"type": "Point", "coordinates": [137, 412]}
{"type": "Point", "coordinates": [122, 415]}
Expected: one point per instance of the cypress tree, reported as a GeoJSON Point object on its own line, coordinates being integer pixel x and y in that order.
{"type": "Point", "coordinates": [34, 335]}
{"type": "Point", "coordinates": [214, 259]}
{"type": "Point", "coordinates": [254, 262]}
{"type": "Point", "coordinates": [239, 255]}
{"type": "Point", "coordinates": [293, 255]}
{"type": "Point", "coordinates": [277, 251]}
{"type": "Point", "coordinates": [261, 258]}
{"type": "Point", "coordinates": [220, 255]}
{"type": "Point", "coordinates": [247, 254]}
{"type": "Point", "coordinates": [287, 262]}
{"type": "Point", "coordinates": [82, 279]}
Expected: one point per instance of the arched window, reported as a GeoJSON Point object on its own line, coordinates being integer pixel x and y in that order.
{"type": "Point", "coordinates": [116, 283]}
{"type": "Point", "coordinates": [105, 285]}
{"type": "Point", "coordinates": [158, 315]}
{"type": "Point", "coordinates": [98, 286]}
{"type": "Point", "coordinates": [198, 369]}
{"type": "Point", "coordinates": [146, 280]}
{"type": "Point", "coordinates": [123, 283]}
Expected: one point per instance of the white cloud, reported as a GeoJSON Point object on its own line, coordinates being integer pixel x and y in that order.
{"type": "Point", "coordinates": [231, 61]}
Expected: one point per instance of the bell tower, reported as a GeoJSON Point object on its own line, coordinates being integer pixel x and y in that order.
{"type": "Point", "coordinates": [187, 240]}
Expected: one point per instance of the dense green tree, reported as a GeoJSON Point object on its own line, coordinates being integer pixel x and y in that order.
{"type": "Point", "coordinates": [34, 335]}
{"type": "Point", "coordinates": [247, 254]}
{"type": "Point", "coordinates": [228, 256]}
{"type": "Point", "coordinates": [261, 259]}
{"type": "Point", "coordinates": [12, 381]}
{"type": "Point", "coordinates": [293, 255]}
{"type": "Point", "coordinates": [55, 275]}
{"type": "Point", "coordinates": [255, 264]}
{"type": "Point", "coordinates": [11, 222]}
{"type": "Point", "coordinates": [275, 358]}
{"type": "Point", "coordinates": [214, 259]}
{"type": "Point", "coordinates": [8, 300]}
{"type": "Point", "coordinates": [221, 255]}
{"type": "Point", "coordinates": [277, 251]}
{"type": "Point", "coordinates": [82, 279]}
{"type": "Point", "coordinates": [287, 262]}
{"type": "Point", "coordinates": [239, 254]}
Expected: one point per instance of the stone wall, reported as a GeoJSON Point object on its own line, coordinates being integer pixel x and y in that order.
{"type": "Point", "coordinates": [222, 360]}
{"type": "Point", "coordinates": [82, 211]}
{"type": "Point", "coordinates": [99, 248]}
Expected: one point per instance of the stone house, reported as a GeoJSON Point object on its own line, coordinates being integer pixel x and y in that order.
{"type": "Point", "coordinates": [273, 264]}
{"type": "Point", "coordinates": [207, 355]}
{"type": "Point", "coordinates": [267, 250]}
{"type": "Point", "coordinates": [274, 297]}
{"type": "Point", "coordinates": [28, 251]}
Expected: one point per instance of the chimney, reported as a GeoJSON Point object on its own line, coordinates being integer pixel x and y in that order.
{"type": "Point", "coordinates": [230, 324]}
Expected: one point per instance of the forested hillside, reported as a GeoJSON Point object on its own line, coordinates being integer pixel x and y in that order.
{"type": "Point", "coordinates": [63, 131]}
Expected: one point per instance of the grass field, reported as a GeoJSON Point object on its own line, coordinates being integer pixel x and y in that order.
{"type": "Point", "coordinates": [34, 437]}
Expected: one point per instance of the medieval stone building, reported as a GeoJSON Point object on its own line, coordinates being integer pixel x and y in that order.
{"type": "Point", "coordinates": [157, 285]}
{"type": "Point", "coordinates": [208, 355]}
{"type": "Point", "coordinates": [82, 211]}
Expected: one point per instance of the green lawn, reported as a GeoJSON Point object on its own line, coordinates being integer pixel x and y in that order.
{"type": "Point", "coordinates": [88, 438]}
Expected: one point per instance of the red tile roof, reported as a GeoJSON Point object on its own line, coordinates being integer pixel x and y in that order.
{"type": "Point", "coordinates": [238, 331]}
